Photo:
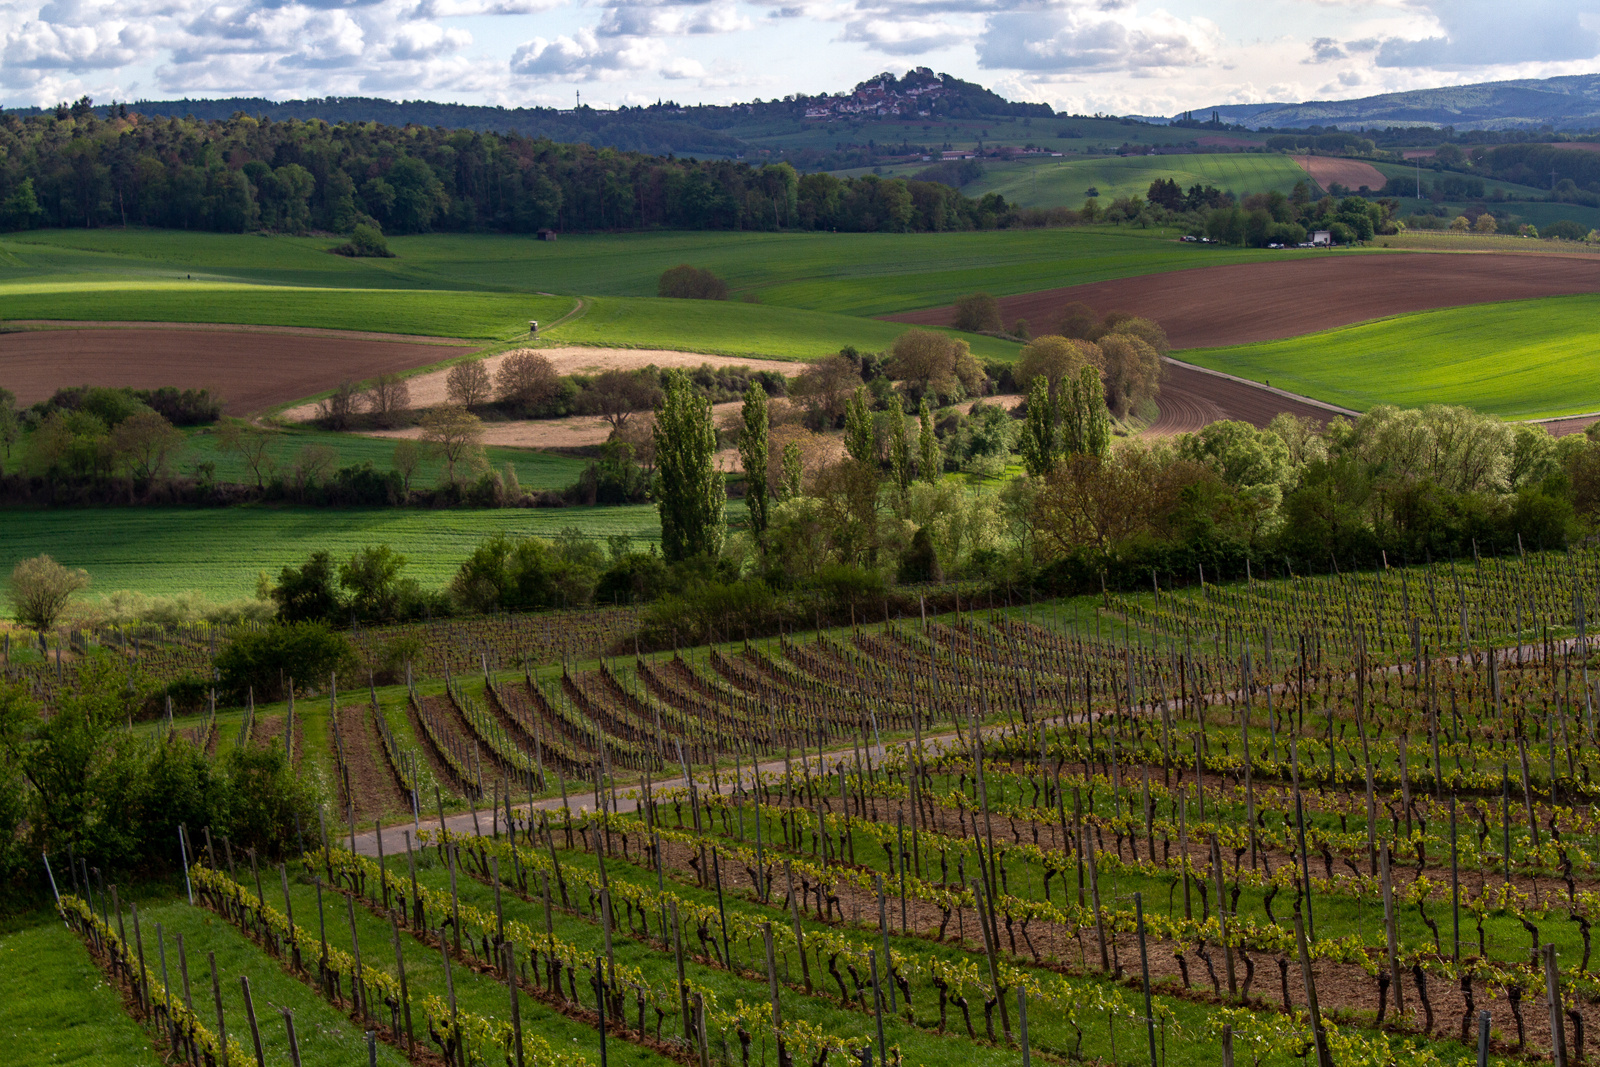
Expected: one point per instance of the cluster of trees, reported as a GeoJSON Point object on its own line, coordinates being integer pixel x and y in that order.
{"type": "Point", "coordinates": [241, 174]}
{"type": "Point", "coordinates": [100, 432]}
{"type": "Point", "coordinates": [78, 782]}
{"type": "Point", "coordinates": [1411, 483]}
{"type": "Point", "coordinates": [1263, 219]}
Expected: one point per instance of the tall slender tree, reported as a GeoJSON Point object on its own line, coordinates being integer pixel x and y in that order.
{"type": "Point", "coordinates": [930, 464]}
{"type": "Point", "coordinates": [858, 435]}
{"type": "Point", "coordinates": [1086, 426]}
{"type": "Point", "coordinates": [1040, 444]}
{"type": "Point", "coordinates": [899, 448]}
{"type": "Point", "coordinates": [753, 456]}
{"type": "Point", "coordinates": [691, 496]}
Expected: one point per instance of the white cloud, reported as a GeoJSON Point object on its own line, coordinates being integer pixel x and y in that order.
{"type": "Point", "coordinates": [1481, 33]}
{"type": "Point", "coordinates": [1093, 38]}
{"type": "Point", "coordinates": [76, 48]}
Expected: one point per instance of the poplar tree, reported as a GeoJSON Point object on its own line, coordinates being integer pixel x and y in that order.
{"type": "Point", "coordinates": [1039, 446]}
{"type": "Point", "coordinates": [858, 437]}
{"type": "Point", "coordinates": [793, 471]}
{"type": "Point", "coordinates": [753, 456]}
{"type": "Point", "coordinates": [691, 497]}
{"type": "Point", "coordinates": [899, 449]}
{"type": "Point", "coordinates": [1086, 426]}
{"type": "Point", "coordinates": [930, 464]}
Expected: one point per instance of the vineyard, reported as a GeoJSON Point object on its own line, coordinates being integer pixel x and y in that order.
{"type": "Point", "coordinates": [1346, 819]}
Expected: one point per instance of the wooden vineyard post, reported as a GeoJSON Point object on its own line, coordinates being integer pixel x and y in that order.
{"type": "Point", "coordinates": [405, 992]}
{"type": "Point", "coordinates": [883, 933]}
{"type": "Point", "coordinates": [990, 949]}
{"type": "Point", "coordinates": [1483, 1039]}
{"type": "Point", "coordinates": [1094, 894]}
{"type": "Point", "coordinates": [1222, 916]}
{"type": "Point", "coordinates": [294, 1041]}
{"type": "Point", "coordinates": [509, 955]}
{"type": "Point", "coordinates": [1022, 1025]}
{"type": "Point", "coordinates": [1455, 888]}
{"type": "Point", "coordinates": [799, 933]}
{"type": "Point", "coordinates": [250, 1014]}
{"type": "Point", "coordinates": [1552, 985]}
{"type": "Point", "coordinates": [1144, 971]}
{"type": "Point", "coordinates": [1319, 1035]}
{"type": "Point", "coordinates": [1227, 1045]}
{"type": "Point", "coordinates": [877, 1006]}
{"type": "Point", "coordinates": [1183, 847]}
{"type": "Point", "coordinates": [358, 992]}
{"type": "Point", "coordinates": [683, 984]}
{"type": "Point", "coordinates": [450, 995]}
{"type": "Point", "coordinates": [772, 990]}
{"type": "Point", "coordinates": [1391, 934]}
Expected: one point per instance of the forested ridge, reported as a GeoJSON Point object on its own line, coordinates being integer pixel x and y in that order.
{"type": "Point", "coordinates": [72, 168]}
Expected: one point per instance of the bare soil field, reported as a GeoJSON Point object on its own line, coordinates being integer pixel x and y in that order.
{"type": "Point", "coordinates": [1191, 398]}
{"type": "Point", "coordinates": [1240, 303]}
{"type": "Point", "coordinates": [251, 369]}
{"type": "Point", "coordinates": [428, 390]}
{"type": "Point", "coordinates": [573, 431]}
{"type": "Point", "coordinates": [1350, 173]}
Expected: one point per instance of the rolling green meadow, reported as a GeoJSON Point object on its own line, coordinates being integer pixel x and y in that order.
{"type": "Point", "coordinates": [1521, 359]}
{"type": "Point", "coordinates": [1066, 182]}
{"type": "Point", "coordinates": [217, 553]}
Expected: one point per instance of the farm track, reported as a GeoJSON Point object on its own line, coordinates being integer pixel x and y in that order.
{"type": "Point", "coordinates": [250, 369]}
{"type": "Point", "coordinates": [1212, 307]}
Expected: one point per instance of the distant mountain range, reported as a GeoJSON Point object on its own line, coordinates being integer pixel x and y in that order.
{"type": "Point", "coordinates": [1567, 103]}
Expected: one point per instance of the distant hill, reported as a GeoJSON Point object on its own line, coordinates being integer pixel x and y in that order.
{"type": "Point", "coordinates": [1566, 103]}
{"type": "Point", "coordinates": [662, 128]}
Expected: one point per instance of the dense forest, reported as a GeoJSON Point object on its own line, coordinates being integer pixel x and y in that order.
{"type": "Point", "coordinates": [72, 168]}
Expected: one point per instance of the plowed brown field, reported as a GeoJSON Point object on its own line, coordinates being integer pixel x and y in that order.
{"type": "Point", "coordinates": [1350, 173]}
{"type": "Point", "coordinates": [1244, 302]}
{"type": "Point", "coordinates": [250, 369]}
{"type": "Point", "coordinates": [1191, 398]}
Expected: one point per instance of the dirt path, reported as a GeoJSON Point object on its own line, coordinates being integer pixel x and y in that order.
{"type": "Point", "coordinates": [1246, 302]}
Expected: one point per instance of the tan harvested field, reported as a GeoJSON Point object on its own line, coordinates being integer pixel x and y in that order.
{"type": "Point", "coordinates": [1191, 398]}
{"type": "Point", "coordinates": [1245, 302]}
{"type": "Point", "coordinates": [428, 390]}
{"type": "Point", "coordinates": [573, 431]}
{"type": "Point", "coordinates": [250, 368]}
{"type": "Point", "coordinates": [1350, 173]}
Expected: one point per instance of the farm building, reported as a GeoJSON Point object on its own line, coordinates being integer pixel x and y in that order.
{"type": "Point", "coordinates": [1321, 239]}
{"type": "Point", "coordinates": [546, 235]}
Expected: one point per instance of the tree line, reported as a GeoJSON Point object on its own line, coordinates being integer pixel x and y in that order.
{"type": "Point", "coordinates": [73, 169]}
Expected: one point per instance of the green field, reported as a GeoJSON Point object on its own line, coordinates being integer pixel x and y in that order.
{"type": "Point", "coordinates": [429, 312]}
{"type": "Point", "coordinates": [733, 328]}
{"type": "Point", "coordinates": [217, 553]}
{"type": "Point", "coordinates": [1066, 182]}
{"type": "Point", "coordinates": [1521, 359]}
{"type": "Point", "coordinates": [854, 274]}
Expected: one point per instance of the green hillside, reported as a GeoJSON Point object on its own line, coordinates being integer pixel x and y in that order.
{"type": "Point", "coordinates": [1066, 182]}
{"type": "Point", "coordinates": [1521, 359]}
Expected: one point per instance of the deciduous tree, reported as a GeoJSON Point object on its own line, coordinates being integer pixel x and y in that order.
{"type": "Point", "coordinates": [467, 384]}
{"type": "Point", "coordinates": [456, 434]}
{"type": "Point", "coordinates": [526, 380]}
{"type": "Point", "coordinates": [143, 441]}
{"type": "Point", "coordinates": [753, 457]}
{"type": "Point", "coordinates": [692, 498]}
{"type": "Point", "coordinates": [41, 589]}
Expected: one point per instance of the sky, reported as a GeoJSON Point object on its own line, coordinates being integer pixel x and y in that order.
{"type": "Point", "coordinates": [1083, 56]}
